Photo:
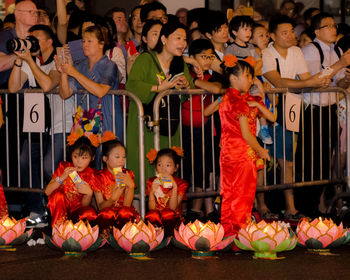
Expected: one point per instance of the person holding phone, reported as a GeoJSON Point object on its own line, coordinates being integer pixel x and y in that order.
{"type": "Point", "coordinates": [152, 73]}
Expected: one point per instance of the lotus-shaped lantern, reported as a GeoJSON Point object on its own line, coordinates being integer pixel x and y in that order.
{"type": "Point", "coordinates": [12, 233]}
{"type": "Point", "coordinates": [137, 239]}
{"type": "Point", "coordinates": [266, 239]}
{"type": "Point", "coordinates": [204, 239]}
{"type": "Point", "coordinates": [75, 239]}
{"type": "Point", "coordinates": [320, 235]}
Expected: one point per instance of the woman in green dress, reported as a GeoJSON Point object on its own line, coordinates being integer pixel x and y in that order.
{"type": "Point", "coordinates": [151, 74]}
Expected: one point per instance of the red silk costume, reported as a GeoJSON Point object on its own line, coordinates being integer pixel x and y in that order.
{"type": "Point", "coordinates": [237, 161]}
{"type": "Point", "coordinates": [118, 214]}
{"type": "Point", "coordinates": [65, 201]}
{"type": "Point", "coordinates": [163, 215]}
{"type": "Point", "coordinates": [3, 205]}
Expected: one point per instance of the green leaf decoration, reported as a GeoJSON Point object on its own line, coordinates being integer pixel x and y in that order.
{"type": "Point", "coordinates": [347, 240]}
{"type": "Point", "coordinates": [202, 244]}
{"type": "Point", "coordinates": [283, 246]}
{"type": "Point", "coordinates": [2, 241]}
{"type": "Point", "coordinates": [114, 244]}
{"type": "Point", "coordinates": [96, 245]}
{"type": "Point", "coordinates": [140, 247]}
{"type": "Point", "coordinates": [49, 242]}
{"type": "Point", "coordinates": [241, 246]}
{"type": "Point", "coordinates": [162, 244]}
{"type": "Point", "coordinates": [71, 245]}
{"type": "Point", "coordinates": [260, 246]}
{"type": "Point", "coordinates": [313, 243]}
{"type": "Point", "coordinates": [19, 240]}
{"type": "Point", "coordinates": [179, 244]}
{"type": "Point", "coordinates": [338, 242]}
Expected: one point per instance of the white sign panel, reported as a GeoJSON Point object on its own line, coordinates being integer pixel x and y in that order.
{"type": "Point", "coordinates": [292, 112]}
{"type": "Point", "coordinates": [34, 113]}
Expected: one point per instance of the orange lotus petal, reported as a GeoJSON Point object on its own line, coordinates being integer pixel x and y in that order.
{"type": "Point", "coordinates": [151, 156]}
{"type": "Point", "coordinates": [250, 60]}
{"type": "Point", "coordinates": [178, 151]}
{"type": "Point", "coordinates": [95, 140]}
{"type": "Point", "coordinates": [72, 138]}
{"type": "Point", "coordinates": [230, 60]}
{"type": "Point", "coordinates": [107, 136]}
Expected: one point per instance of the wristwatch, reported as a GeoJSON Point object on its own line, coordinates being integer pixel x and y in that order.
{"type": "Point", "coordinates": [58, 180]}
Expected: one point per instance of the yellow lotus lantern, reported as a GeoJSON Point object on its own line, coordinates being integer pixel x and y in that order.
{"type": "Point", "coordinates": [75, 239]}
{"type": "Point", "coordinates": [137, 239]}
{"type": "Point", "coordinates": [12, 233]}
{"type": "Point", "coordinates": [204, 239]}
{"type": "Point", "coordinates": [319, 235]}
{"type": "Point", "coordinates": [266, 239]}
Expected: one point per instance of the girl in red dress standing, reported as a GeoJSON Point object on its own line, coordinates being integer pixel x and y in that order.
{"type": "Point", "coordinates": [166, 191]}
{"type": "Point", "coordinates": [116, 192]}
{"type": "Point", "coordinates": [71, 187]}
{"type": "Point", "coordinates": [240, 152]}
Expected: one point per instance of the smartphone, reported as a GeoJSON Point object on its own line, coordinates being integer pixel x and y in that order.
{"type": "Point", "coordinates": [175, 76]}
{"type": "Point", "coordinates": [63, 55]}
{"type": "Point", "coordinates": [130, 46]}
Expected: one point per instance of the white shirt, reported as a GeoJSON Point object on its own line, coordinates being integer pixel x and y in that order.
{"type": "Point", "coordinates": [56, 103]}
{"type": "Point", "coordinates": [291, 66]}
{"type": "Point", "coordinates": [313, 60]}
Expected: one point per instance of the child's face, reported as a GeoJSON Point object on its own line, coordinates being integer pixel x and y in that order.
{"type": "Point", "coordinates": [80, 161]}
{"type": "Point", "coordinates": [205, 58]}
{"type": "Point", "coordinates": [166, 166]}
{"type": "Point", "coordinates": [221, 35]}
{"type": "Point", "coordinates": [260, 37]}
{"type": "Point", "coordinates": [242, 82]}
{"type": "Point", "coordinates": [116, 158]}
{"type": "Point", "coordinates": [243, 34]}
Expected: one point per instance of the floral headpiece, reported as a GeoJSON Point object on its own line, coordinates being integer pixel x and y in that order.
{"type": "Point", "coordinates": [95, 139]}
{"type": "Point", "coordinates": [152, 154]}
{"type": "Point", "coordinates": [230, 60]}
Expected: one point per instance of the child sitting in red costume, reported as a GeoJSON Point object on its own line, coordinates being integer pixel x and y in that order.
{"type": "Point", "coordinates": [3, 205]}
{"type": "Point", "coordinates": [72, 185]}
{"type": "Point", "coordinates": [240, 151]}
{"type": "Point", "coordinates": [116, 191]}
{"type": "Point", "coordinates": [166, 191]}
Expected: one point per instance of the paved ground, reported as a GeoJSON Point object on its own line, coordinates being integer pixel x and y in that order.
{"type": "Point", "coordinates": [41, 262]}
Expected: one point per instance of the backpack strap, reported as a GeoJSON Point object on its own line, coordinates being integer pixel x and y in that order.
{"type": "Point", "coordinates": [156, 63]}
{"type": "Point", "coordinates": [278, 66]}
{"type": "Point", "coordinates": [318, 47]}
{"type": "Point", "coordinates": [337, 51]}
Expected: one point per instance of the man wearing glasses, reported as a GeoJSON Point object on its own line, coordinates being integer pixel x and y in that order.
{"type": "Point", "coordinates": [322, 56]}
{"type": "Point", "coordinates": [26, 15]}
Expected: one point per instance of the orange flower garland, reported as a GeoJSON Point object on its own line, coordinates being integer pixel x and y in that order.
{"type": "Point", "coordinates": [107, 136]}
{"type": "Point", "coordinates": [72, 138]}
{"type": "Point", "coordinates": [250, 60]}
{"type": "Point", "coordinates": [178, 151]}
{"type": "Point", "coordinates": [230, 60]}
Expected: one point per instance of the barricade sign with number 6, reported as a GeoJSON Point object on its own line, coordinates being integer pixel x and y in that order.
{"type": "Point", "coordinates": [34, 112]}
{"type": "Point", "coordinates": [292, 112]}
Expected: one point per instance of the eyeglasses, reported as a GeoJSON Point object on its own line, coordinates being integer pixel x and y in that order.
{"type": "Point", "coordinates": [329, 26]}
{"type": "Point", "coordinates": [31, 12]}
{"type": "Point", "coordinates": [207, 57]}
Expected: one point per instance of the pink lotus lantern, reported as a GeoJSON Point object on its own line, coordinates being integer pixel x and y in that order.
{"type": "Point", "coordinates": [137, 239]}
{"type": "Point", "coordinates": [203, 239]}
{"type": "Point", "coordinates": [12, 233]}
{"type": "Point", "coordinates": [75, 240]}
{"type": "Point", "coordinates": [320, 235]}
{"type": "Point", "coordinates": [266, 239]}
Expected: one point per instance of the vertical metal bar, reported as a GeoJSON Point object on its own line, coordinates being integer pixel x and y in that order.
{"type": "Point", "coordinates": [169, 121]}
{"type": "Point", "coordinates": [347, 99]}
{"type": "Point", "coordinates": [124, 118]}
{"type": "Point", "coordinates": [53, 133]}
{"type": "Point", "coordinates": [302, 139]}
{"type": "Point", "coordinates": [203, 144]}
{"type": "Point", "coordinates": [7, 142]}
{"type": "Point", "coordinates": [181, 143]}
{"type": "Point", "coordinates": [30, 159]}
{"type": "Point", "coordinates": [192, 147]}
{"type": "Point", "coordinates": [18, 142]}
{"type": "Point", "coordinates": [63, 103]}
{"type": "Point", "coordinates": [274, 140]}
{"type": "Point", "coordinates": [312, 136]}
{"type": "Point", "coordinates": [113, 113]}
{"type": "Point", "coordinates": [41, 163]}
{"type": "Point", "coordinates": [213, 145]}
{"type": "Point", "coordinates": [338, 157]}
{"type": "Point", "coordinates": [320, 124]}
{"type": "Point", "coordinates": [284, 140]}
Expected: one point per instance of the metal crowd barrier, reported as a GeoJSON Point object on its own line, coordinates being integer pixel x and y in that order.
{"type": "Point", "coordinates": [11, 184]}
{"type": "Point", "coordinates": [296, 183]}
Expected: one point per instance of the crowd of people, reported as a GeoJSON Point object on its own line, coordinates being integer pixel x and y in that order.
{"type": "Point", "coordinates": [236, 60]}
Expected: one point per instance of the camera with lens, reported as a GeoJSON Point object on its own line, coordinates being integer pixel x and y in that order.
{"type": "Point", "coordinates": [17, 44]}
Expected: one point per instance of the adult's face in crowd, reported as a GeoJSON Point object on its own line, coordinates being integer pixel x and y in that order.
{"type": "Point", "coordinates": [45, 42]}
{"type": "Point", "coordinates": [327, 32]}
{"type": "Point", "coordinates": [220, 36]}
{"type": "Point", "coordinates": [175, 43]}
{"type": "Point", "coordinates": [136, 21]}
{"type": "Point", "coordinates": [152, 36]}
{"type": "Point", "coordinates": [284, 35]}
{"type": "Point", "coordinates": [120, 22]}
{"type": "Point", "coordinates": [158, 15]}
{"type": "Point", "coordinates": [43, 17]}
{"type": "Point", "coordinates": [26, 13]}
{"type": "Point", "coordinates": [91, 45]}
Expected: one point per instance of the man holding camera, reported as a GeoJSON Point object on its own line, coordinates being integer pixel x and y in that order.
{"type": "Point", "coordinates": [26, 15]}
{"type": "Point", "coordinates": [40, 71]}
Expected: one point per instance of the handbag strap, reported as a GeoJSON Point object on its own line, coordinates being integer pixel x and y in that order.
{"type": "Point", "coordinates": [156, 63]}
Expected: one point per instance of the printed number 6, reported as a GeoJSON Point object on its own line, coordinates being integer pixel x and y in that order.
{"type": "Point", "coordinates": [34, 115]}
{"type": "Point", "coordinates": [292, 113]}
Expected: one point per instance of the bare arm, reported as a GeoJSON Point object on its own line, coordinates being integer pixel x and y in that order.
{"type": "Point", "coordinates": [62, 23]}
{"type": "Point", "coordinates": [211, 108]}
{"type": "Point", "coordinates": [212, 87]}
{"type": "Point", "coordinates": [267, 114]}
{"type": "Point", "coordinates": [175, 198]}
{"type": "Point", "coordinates": [6, 61]}
{"type": "Point", "coordinates": [17, 77]}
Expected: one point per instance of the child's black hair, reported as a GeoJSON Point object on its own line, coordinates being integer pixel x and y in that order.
{"type": "Point", "coordinates": [240, 21]}
{"type": "Point", "coordinates": [84, 145]}
{"type": "Point", "coordinates": [199, 45]}
{"type": "Point", "coordinates": [169, 153]}
{"type": "Point", "coordinates": [212, 23]}
{"type": "Point", "coordinates": [240, 67]}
